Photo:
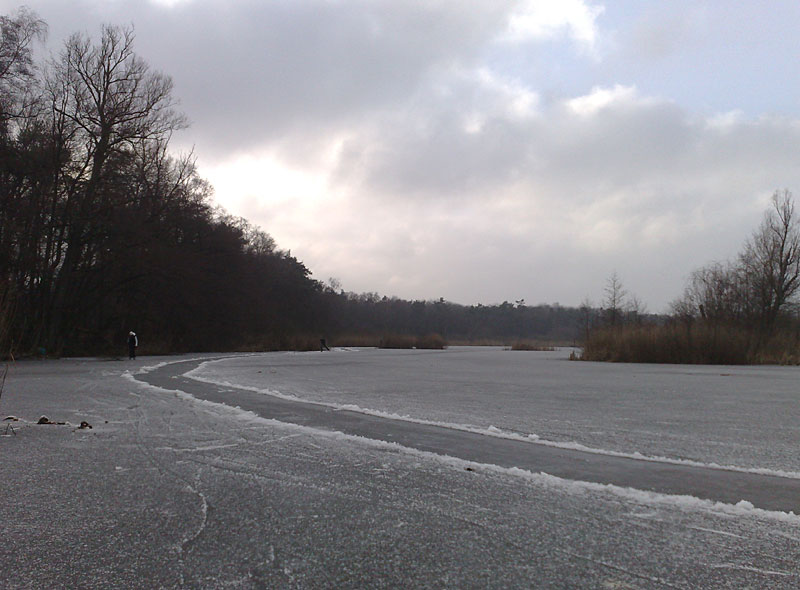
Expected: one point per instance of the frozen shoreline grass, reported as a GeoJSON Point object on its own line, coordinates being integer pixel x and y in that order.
{"type": "Point", "coordinates": [689, 344]}
{"type": "Point", "coordinates": [533, 346]}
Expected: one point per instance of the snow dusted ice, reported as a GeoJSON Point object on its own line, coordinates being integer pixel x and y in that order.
{"type": "Point", "coordinates": [734, 416]}
{"type": "Point", "coordinates": [168, 491]}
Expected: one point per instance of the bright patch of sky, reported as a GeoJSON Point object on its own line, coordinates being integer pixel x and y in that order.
{"type": "Point", "coordinates": [482, 152]}
{"type": "Point", "coordinates": [541, 20]}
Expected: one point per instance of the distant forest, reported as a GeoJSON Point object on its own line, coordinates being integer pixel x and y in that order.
{"type": "Point", "coordinates": [103, 230]}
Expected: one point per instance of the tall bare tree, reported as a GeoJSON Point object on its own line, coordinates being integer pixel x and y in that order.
{"type": "Point", "coordinates": [18, 96]}
{"type": "Point", "coordinates": [17, 68]}
{"type": "Point", "coordinates": [108, 102]}
{"type": "Point", "coordinates": [112, 97]}
{"type": "Point", "coordinates": [770, 260]}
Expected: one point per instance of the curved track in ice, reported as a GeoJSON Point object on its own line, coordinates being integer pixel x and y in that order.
{"type": "Point", "coordinates": [772, 492]}
{"type": "Point", "coordinates": [197, 374]}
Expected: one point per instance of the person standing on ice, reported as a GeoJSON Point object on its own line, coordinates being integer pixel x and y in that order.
{"type": "Point", "coordinates": [133, 342]}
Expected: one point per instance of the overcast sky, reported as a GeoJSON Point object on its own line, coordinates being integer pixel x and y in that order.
{"type": "Point", "coordinates": [482, 151]}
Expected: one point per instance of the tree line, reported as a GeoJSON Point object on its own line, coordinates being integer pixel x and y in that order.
{"type": "Point", "coordinates": [368, 318]}
{"type": "Point", "coordinates": [104, 230]}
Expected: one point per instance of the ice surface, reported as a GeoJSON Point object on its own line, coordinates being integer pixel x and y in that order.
{"type": "Point", "coordinates": [169, 492]}
{"type": "Point", "coordinates": [744, 417]}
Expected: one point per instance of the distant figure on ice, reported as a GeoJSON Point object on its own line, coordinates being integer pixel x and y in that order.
{"type": "Point", "coordinates": [133, 342]}
{"type": "Point", "coordinates": [323, 345]}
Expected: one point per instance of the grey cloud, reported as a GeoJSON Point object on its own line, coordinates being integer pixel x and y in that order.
{"type": "Point", "coordinates": [641, 186]}
{"type": "Point", "coordinates": [629, 144]}
{"type": "Point", "coordinates": [250, 72]}
{"type": "Point", "coordinates": [659, 34]}
{"type": "Point", "coordinates": [267, 70]}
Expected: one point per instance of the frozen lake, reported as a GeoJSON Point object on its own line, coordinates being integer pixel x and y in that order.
{"type": "Point", "coordinates": [748, 417]}
{"type": "Point", "coordinates": [169, 491]}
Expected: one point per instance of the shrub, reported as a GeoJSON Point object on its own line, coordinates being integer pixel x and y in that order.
{"type": "Point", "coordinates": [276, 342]}
{"type": "Point", "coordinates": [531, 346]}
{"type": "Point", "coordinates": [431, 341]}
{"type": "Point", "coordinates": [688, 343]}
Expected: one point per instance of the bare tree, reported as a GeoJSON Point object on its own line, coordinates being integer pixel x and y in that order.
{"type": "Point", "coordinates": [586, 315]}
{"type": "Point", "coordinates": [17, 68]}
{"type": "Point", "coordinates": [111, 97]}
{"type": "Point", "coordinates": [635, 309]}
{"type": "Point", "coordinates": [108, 104]}
{"type": "Point", "coordinates": [714, 293]}
{"type": "Point", "coordinates": [614, 301]}
{"type": "Point", "coordinates": [770, 261]}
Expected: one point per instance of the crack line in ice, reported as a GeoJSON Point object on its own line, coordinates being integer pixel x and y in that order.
{"type": "Point", "coordinates": [201, 527]}
{"type": "Point", "coordinates": [716, 532]}
{"type": "Point", "coordinates": [618, 568]}
{"type": "Point", "coordinates": [196, 449]}
{"type": "Point", "coordinates": [786, 536]}
{"type": "Point", "coordinates": [757, 570]}
{"type": "Point", "coordinates": [743, 508]}
{"type": "Point", "coordinates": [490, 431]}
{"type": "Point", "coordinates": [203, 520]}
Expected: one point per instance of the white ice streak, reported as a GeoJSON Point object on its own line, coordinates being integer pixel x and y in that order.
{"type": "Point", "coordinates": [756, 570]}
{"type": "Point", "coordinates": [198, 449]}
{"type": "Point", "coordinates": [149, 368]}
{"type": "Point", "coordinates": [197, 375]}
{"type": "Point", "coordinates": [201, 359]}
{"type": "Point", "coordinates": [188, 539]}
{"type": "Point", "coordinates": [743, 508]}
{"type": "Point", "coordinates": [203, 517]}
{"type": "Point", "coordinates": [716, 532]}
